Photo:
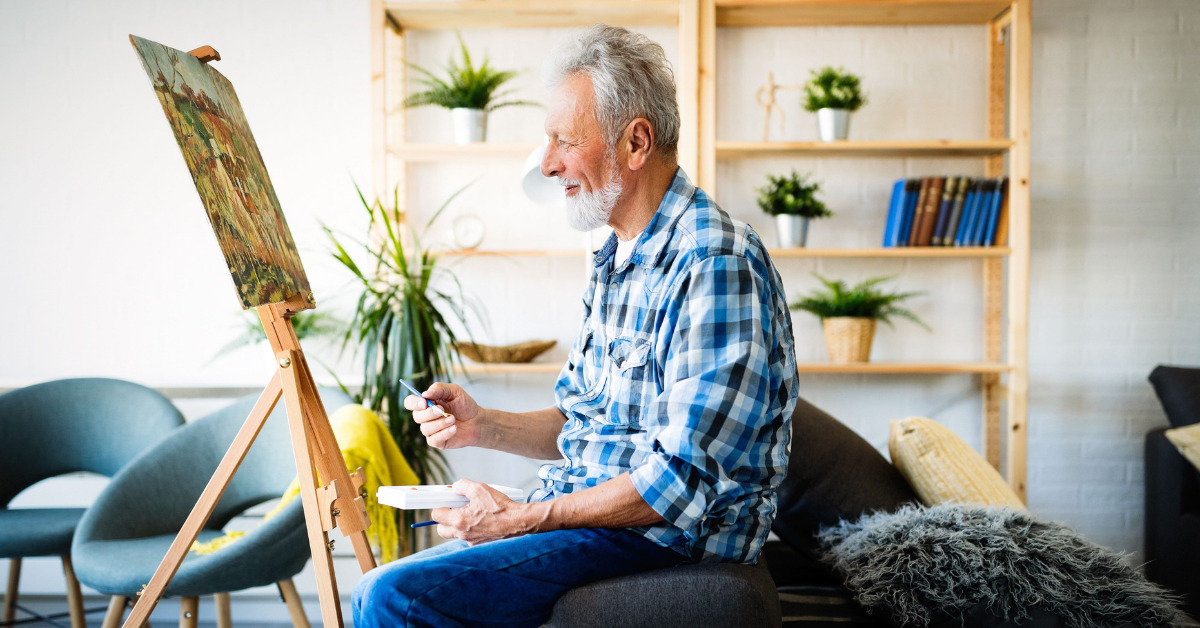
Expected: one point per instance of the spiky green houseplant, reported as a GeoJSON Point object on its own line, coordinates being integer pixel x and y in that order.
{"type": "Point", "coordinates": [848, 315]}
{"type": "Point", "coordinates": [401, 327]}
{"type": "Point", "coordinates": [833, 88]}
{"type": "Point", "coordinates": [465, 86]}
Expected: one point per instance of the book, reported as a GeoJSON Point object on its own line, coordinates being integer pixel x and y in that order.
{"type": "Point", "coordinates": [960, 199]}
{"type": "Point", "coordinates": [972, 203]}
{"type": "Point", "coordinates": [979, 224]}
{"type": "Point", "coordinates": [912, 193]}
{"type": "Point", "coordinates": [933, 201]}
{"type": "Point", "coordinates": [914, 223]}
{"type": "Point", "coordinates": [943, 214]}
{"type": "Point", "coordinates": [895, 213]}
{"type": "Point", "coordinates": [1002, 222]}
{"type": "Point", "coordinates": [428, 496]}
{"type": "Point", "coordinates": [989, 236]}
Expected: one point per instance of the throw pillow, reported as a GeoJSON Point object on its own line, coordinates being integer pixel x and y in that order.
{"type": "Point", "coordinates": [923, 564]}
{"type": "Point", "coordinates": [1187, 441]}
{"type": "Point", "coordinates": [942, 468]}
{"type": "Point", "coordinates": [833, 474]}
{"type": "Point", "coordinates": [1178, 390]}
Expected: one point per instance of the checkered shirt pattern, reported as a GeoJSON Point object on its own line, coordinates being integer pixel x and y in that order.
{"type": "Point", "coordinates": [683, 376]}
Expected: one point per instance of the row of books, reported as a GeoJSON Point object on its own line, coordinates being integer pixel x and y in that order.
{"type": "Point", "coordinates": [947, 211]}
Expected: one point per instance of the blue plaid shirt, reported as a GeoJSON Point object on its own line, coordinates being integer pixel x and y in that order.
{"type": "Point", "coordinates": [684, 377]}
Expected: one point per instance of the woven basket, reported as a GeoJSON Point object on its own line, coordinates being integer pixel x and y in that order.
{"type": "Point", "coordinates": [509, 354]}
{"type": "Point", "coordinates": [848, 339]}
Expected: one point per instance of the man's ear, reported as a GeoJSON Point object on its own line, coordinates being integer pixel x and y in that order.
{"type": "Point", "coordinates": [639, 140]}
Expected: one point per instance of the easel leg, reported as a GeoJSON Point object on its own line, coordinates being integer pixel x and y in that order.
{"type": "Point", "coordinates": [205, 505]}
{"type": "Point", "coordinates": [189, 607]}
{"type": "Point", "coordinates": [318, 539]}
{"type": "Point", "coordinates": [10, 594]}
{"type": "Point", "coordinates": [74, 595]}
{"type": "Point", "coordinates": [116, 611]}
{"type": "Point", "coordinates": [287, 589]}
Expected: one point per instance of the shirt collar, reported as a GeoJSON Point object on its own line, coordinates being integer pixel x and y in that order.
{"type": "Point", "coordinates": [657, 234]}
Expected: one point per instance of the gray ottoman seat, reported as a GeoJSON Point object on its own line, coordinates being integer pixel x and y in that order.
{"type": "Point", "coordinates": [712, 595]}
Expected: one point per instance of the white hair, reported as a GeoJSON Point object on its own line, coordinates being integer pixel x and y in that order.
{"type": "Point", "coordinates": [631, 78]}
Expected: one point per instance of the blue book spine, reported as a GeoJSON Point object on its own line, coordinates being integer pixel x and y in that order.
{"type": "Point", "coordinates": [989, 238]}
{"type": "Point", "coordinates": [945, 207]}
{"type": "Point", "coordinates": [913, 193]}
{"type": "Point", "coordinates": [964, 225]}
{"type": "Point", "coordinates": [893, 215]}
{"type": "Point", "coordinates": [985, 208]}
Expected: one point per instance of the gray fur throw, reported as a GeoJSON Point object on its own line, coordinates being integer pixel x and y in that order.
{"type": "Point", "coordinates": [918, 563]}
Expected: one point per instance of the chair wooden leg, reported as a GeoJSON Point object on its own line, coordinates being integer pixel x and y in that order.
{"type": "Point", "coordinates": [189, 608]}
{"type": "Point", "coordinates": [10, 595]}
{"type": "Point", "coordinates": [224, 615]}
{"type": "Point", "coordinates": [74, 595]}
{"type": "Point", "coordinates": [295, 607]}
{"type": "Point", "coordinates": [116, 611]}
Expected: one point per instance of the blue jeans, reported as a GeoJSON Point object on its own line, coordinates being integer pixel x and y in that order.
{"type": "Point", "coordinates": [514, 582]}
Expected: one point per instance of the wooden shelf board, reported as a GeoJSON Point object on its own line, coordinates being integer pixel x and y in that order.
{"type": "Point", "coordinates": [854, 148]}
{"type": "Point", "coordinates": [900, 251]}
{"type": "Point", "coordinates": [904, 367]}
{"type": "Point", "coordinates": [516, 253]}
{"type": "Point", "coordinates": [856, 12]}
{"type": "Point", "coordinates": [532, 13]}
{"type": "Point", "coordinates": [454, 152]}
{"type": "Point", "coordinates": [474, 368]}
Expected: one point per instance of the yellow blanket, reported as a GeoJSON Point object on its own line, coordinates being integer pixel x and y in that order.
{"type": "Point", "coordinates": [365, 442]}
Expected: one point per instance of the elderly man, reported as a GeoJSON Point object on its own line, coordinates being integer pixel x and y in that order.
{"type": "Point", "coordinates": [672, 414]}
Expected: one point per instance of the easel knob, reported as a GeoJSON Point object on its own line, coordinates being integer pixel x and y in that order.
{"type": "Point", "coordinates": [205, 54]}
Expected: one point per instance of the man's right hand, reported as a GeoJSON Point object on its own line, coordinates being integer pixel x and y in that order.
{"type": "Point", "coordinates": [460, 429]}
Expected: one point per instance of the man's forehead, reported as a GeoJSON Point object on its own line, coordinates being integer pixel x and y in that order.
{"type": "Point", "coordinates": [570, 104]}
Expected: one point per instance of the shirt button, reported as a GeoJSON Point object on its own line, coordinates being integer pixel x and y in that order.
{"type": "Point", "coordinates": [613, 285]}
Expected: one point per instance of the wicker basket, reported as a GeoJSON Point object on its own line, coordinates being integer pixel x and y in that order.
{"type": "Point", "coordinates": [848, 339]}
{"type": "Point", "coordinates": [518, 353]}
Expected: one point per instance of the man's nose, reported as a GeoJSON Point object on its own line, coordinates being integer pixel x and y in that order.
{"type": "Point", "coordinates": [550, 162]}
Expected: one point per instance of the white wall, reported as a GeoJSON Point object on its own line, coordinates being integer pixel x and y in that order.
{"type": "Point", "coordinates": [108, 267]}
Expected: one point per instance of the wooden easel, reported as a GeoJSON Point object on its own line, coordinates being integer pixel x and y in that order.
{"type": "Point", "coordinates": [337, 504]}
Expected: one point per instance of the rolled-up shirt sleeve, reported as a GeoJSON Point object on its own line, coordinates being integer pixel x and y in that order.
{"type": "Point", "coordinates": [714, 402]}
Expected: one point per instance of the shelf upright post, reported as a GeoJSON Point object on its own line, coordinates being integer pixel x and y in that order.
{"type": "Point", "coordinates": [706, 178]}
{"type": "Point", "coordinates": [993, 268]}
{"type": "Point", "coordinates": [379, 146]}
{"type": "Point", "coordinates": [1020, 51]}
{"type": "Point", "coordinates": [688, 85]}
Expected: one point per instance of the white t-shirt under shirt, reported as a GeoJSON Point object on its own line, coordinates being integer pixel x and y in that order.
{"type": "Point", "coordinates": [624, 250]}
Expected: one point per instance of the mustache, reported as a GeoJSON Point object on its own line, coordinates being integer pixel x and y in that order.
{"type": "Point", "coordinates": [566, 182]}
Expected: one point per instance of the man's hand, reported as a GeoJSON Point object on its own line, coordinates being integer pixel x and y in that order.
{"type": "Point", "coordinates": [460, 429]}
{"type": "Point", "coordinates": [490, 516]}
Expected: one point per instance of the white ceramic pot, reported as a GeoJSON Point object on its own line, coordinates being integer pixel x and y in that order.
{"type": "Point", "coordinates": [833, 124]}
{"type": "Point", "coordinates": [792, 231]}
{"type": "Point", "coordinates": [470, 125]}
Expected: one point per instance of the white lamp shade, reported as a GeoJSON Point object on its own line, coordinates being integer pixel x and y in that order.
{"type": "Point", "coordinates": [541, 190]}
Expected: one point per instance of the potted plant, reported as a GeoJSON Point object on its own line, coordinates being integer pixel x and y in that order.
{"type": "Point", "coordinates": [468, 92]}
{"type": "Point", "coordinates": [402, 324]}
{"type": "Point", "coordinates": [792, 201]}
{"type": "Point", "coordinates": [833, 93]}
{"type": "Point", "coordinates": [848, 315]}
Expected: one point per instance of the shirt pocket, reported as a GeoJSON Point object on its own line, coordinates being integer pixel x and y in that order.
{"type": "Point", "coordinates": [588, 364]}
{"type": "Point", "coordinates": [632, 383]}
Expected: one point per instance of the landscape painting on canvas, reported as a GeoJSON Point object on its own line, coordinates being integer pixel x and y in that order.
{"type": "Point", "coordinates": [207, 119]}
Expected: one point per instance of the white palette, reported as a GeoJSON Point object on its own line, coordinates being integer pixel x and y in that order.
{"type": "Point", "coordinates": [433, 496]}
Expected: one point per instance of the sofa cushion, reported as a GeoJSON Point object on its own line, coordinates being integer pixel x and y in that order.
{"type": "Point", "coordinates": [1178, 389]}
{"type": "Point", "coordinates": [942, 468]}
{"type": "Point", "coordinates": [716, 595]}
{"type": "Point", "coordinates": [833, 474]}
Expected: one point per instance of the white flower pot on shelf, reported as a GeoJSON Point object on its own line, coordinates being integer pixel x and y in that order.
{"type": "Point", "coordinates": [833, 124]}
{"type": "Point", "coordinates": [792, 231]}
{"type": "Point", "coordinates": [470, 125]}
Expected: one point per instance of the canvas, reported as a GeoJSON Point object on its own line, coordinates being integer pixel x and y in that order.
{"type": "Point", "coordinates": [212, 132]}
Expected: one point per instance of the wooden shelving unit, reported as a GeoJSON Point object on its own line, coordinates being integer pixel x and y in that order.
{"type": "Point", "coordinates": [1005, 270]}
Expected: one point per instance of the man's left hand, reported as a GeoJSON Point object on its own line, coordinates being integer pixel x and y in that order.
{"type": "Point", "coordinates": [490, 516]}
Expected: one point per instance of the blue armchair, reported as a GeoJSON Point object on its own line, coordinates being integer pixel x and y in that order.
{"type": "Point", "coordinates": [59, 427]}
{"type": "Point", "coordinates": [127, 531]}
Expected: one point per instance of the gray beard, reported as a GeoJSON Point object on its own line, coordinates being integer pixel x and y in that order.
{"type": "Point", "coordinates": [591, 210]}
